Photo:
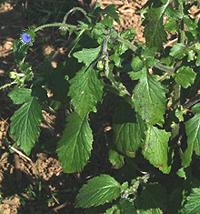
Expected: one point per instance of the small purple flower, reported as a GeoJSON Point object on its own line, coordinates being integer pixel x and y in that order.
{"type": "Point", "coordinates": [26, 38]}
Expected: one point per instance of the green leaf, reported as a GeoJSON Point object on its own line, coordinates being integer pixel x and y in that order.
{"type": "Point", "coordinates": [127, 207]}
{"type": "Point", "coordinates": [149, 100]}
{"type": "Point", "coordinates": [181, 173]}
{"type": "Point", "coordinates": [116, 159]}
{"type": "Point", "coordinates": [178, 51]}
{"type": "Point", "coordinates": [87, 56]}
{"type": "Point", "coordinates": [192, 205]}
{"type": "Point", "coordinates": [85, 91]}
{"type": "Point", "coordinates": [113, 210]}
{"type": "Point", "coordinates": [136, 64]}
{"type": "Point", "coordinates": [196, 108]}
{"type": "Point", "coordinates": [123, 207]}
{"type": "Point", "coordinates": [74, 147]}
{"type": "Point", "coordinates": [25, 125]}
{"type": "Point", "coordinates": [152, 200]}
{"type": "Point", "coordinates": [137, 75]}
{"type": "Point", "coordinates": [99, 190]}
{"type": "Point", "coordinates": [128, 130]}
{"type": "Point", "coordinates": [154, 32]}
{"type": "Point", "coordinates": [150, 211]}
{"type": "Point", "coordinates": [193, 139]}
{"type": "Point", "coordinates": [156, 148]}
{"type": "Point", "coordinates": [20, 95]}
{"type": "Point", "coordinates": [185, 76]}
{"type": "Point", "coordinates": [110, 10]}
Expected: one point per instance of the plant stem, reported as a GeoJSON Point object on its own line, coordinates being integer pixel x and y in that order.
{"type": "Point", "coordinates": [56, 24]}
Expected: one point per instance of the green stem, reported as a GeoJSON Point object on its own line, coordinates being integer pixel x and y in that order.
{"type": "Point", "coordinates": [7, 85]}
{"type": "Point", "coordinates": [56, 24]}
{"type": "Point", "coordinates": [74, 10]}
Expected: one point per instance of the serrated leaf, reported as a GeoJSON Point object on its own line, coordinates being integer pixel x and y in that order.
{"type": "Point", "coordinates": [85, 91]}
{"type": "Point", "coordinates": [99, 190]}
{"type": "Point", "coordinates": [74, 147]}
{"type": "Point", "coordinates": [192, 205]}
{"type": "Point", "coordinates": [128, 130]}
{"type": "Point", "coordinates": [152, 200]}
{"type": "Point", "coordinates": [154, 32]}
{"type": "Point", "coordinates": [116, 159]}
{"type": "Point", "coordinates": [192, 127]}
{"type": "Point", "coordinates": [185, 76]}
{"type": "Point", "coordinates": [150, 100]}
{"type": "Point", "coordinates": [25, 125]}
{"type": "Point", "coordinates": [156, 148]}
{"type": "Point", "coordinates": [87, 56]}
{"type": "Point", "coordinates": [20, 95]}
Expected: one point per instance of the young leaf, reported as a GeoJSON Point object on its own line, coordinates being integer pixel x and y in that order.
{"type": "Point", "coordinates": [193, 138]}
{"type": "Point", "coordinates": [25, 124]}
{"type": "Point", "coordinates": [185, 76]}
{"type": "Point", "coordinates": [99, 190]}
{"type": "Point", "coordinates": [192, 206]}
{"type": "Point", "coordinates": [136, 64]}
{"type": "Point", "coordinates": [87, 56]}
{"type": "Point", "coordinates": [154, 31]}
{"type": "Point", "coordinates": [149, 100]}
{"type": "Point", "coordinates": [20, 95]}
{"type": "Point", "coordinates": [85, 91]}
{"type": "Point", "coordinates": [75, 146]}
{"type": "Point", "coordinates": [178, 51]}
{"type": "Point", "coordinates": [156, 148]}
{"type": "Point", "coordinates": [116, 159]}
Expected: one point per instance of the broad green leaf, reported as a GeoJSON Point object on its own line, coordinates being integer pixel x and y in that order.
{"type": "Point", "coordinates": [87, 56]}
{"type": "Point", "coordinates": [150, 100]}
{"type": "Point", "coordinates": [128, 130]}
{"type": "Point", "coordinates": [25, 125]}
{"type": "Point", "coordinates": [154, 32]}
{"type": "Point", "coordinates": [20, 95]}
{"type": "Point", "coordinates": [85, 91]}
{"type": "Point", "coordinates": [185, 76]}
{"type": "Point", "coordinates": [127, 138]}
{"type": "Point", "coordinates": [74, 147]}
{"type": "Point", "coordinates": [192, 205]}
{"type": "Point", "coordinates": [192, 127]}
{"type": "Point", "coordinates": [116, 159]}
{"type": "Point", "coordinates": [156, 148]}
{"type": "Point", "coordinates": [99, 190]}
{"type": "Point", "coordinates": [152, 199]}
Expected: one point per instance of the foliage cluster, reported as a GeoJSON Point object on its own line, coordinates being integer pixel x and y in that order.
{"type": "Point", "coordinates": [156, 111]}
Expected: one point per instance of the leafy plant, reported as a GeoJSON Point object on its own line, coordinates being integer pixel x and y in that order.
{"type": "Point", "coordinates": [157, 111]}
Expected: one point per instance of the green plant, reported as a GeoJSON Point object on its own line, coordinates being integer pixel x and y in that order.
{"type": "Point", "coordinates": [156, 114]}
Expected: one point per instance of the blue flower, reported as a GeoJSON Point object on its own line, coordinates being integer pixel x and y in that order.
{"type": "Point", "coordinates": [26, 38]}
